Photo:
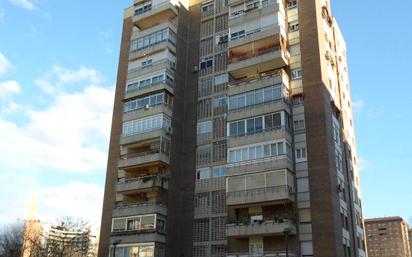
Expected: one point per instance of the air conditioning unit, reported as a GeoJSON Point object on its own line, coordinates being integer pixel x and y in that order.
{"type": "Point", "coordinates": [169, 130]}
{"type": "Point", "coordinates": [146, 107]}
{"type": "Point", "coordinates": [195, 68]}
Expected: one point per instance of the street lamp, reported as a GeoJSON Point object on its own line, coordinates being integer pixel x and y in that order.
{"type": "Point", "coordinates": [286, 232]}
{"type": "Point", "coordinates": [115, 243]}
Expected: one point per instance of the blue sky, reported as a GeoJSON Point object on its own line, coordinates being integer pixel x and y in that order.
{"type": "Point", "coordinates": [58, 63]}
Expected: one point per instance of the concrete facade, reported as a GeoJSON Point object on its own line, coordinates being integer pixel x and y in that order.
{"type": "Point", "coordinates": [254, 153]}
{"type": "Point", "coordinates": [387, 237]}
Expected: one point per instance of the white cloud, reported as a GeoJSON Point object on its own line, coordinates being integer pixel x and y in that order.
{"type": "Point", "coordinates": [8, 88]}
{"type": "Point", "coordinates": [357, 106]}
{"type": "Point", "coordinates": [70, 134]}
{"type": "Point", "coordinates": [5, 64]}
{"type": "Point", "coordinates": [58, 78]}
{"type": "Point", "coordinates": [75, 199]}
{"type": "Point", "coordinates": [365, 164]}
{"type": "Point", "coordinates": [25, 4]}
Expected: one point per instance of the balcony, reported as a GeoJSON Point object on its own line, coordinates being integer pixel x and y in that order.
{"type": "Point", "coordinates": [258, 109]}
{"type": "Point", "coordinates": [164, 64]}
{"type": "Point", "coordinates": [254, 10]}
{"type": "Point", "coordinates": [135, 89]}
{"type": "Point", "coordinates": [260, 228]}
{"type": "Point", "coordinates": [245, 61]}
{"type": "Point", "coordinates": [272, 163]}
{"type": "Point", "coordinates": [142, 158]}
{"type": "Point", "coordinates": [145, 112]}
{"type": "Point", "coordinates": [132, 238]}
{"type": "Point", "coordinates": [134, 185]}
{"type": "Point", "coordinates": [265, 254]}
{"type": "Point", "coordinates": [148, 15]}
{"type": "Point", "coordinates": [261, 136]}
{"type": "Point", "coordinates": [145, 136]}
{"type": "Point", "coordinates": [258, 81]}
{"type": "Point", "coordinates": [153, 48]}
{"type": "Point", "coordinates": [124, 210]}
{"type": "Point", "coordinates": [260, 195]}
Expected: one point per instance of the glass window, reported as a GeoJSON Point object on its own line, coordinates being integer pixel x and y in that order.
{"type": "Point", "coordinates": [250, 126]}
{"type": "Point", "coordinates": [241, 127]}
{"type": "Point", "coordinates": [147, 222]}
{"type": "Point", "coordinates": [258, 124]}
{"type": "Point", "coordinates": [146, 251]}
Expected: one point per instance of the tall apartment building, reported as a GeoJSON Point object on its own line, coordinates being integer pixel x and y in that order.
{"type": "Point", "coordinates": [410, 240]}
{"type": "Point", "coordinates": [387, 237]}
{"type": "Point", "coordinates": [232, 133]}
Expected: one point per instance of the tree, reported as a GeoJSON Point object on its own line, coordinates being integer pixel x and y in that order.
{"type": "Point", "coordinates": [11, 240]}
{"type": "Point", "coordinates": [69, 238]}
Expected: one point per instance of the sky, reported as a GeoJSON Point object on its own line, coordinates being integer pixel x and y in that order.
{"type": "Point", "coordinates": [58, 65]}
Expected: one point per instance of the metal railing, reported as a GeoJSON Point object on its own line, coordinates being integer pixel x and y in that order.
{"type": "Point", "coordinates": [137, 205]}
{"type": "Point", "coordinates": [260, 191]}
{"type": "Point", "coordinates": [136, 87]}
{"type": "Point", "coordinates": [260, 160]}
{"type": "Point", "coordinates": [166, 61]}
{"type": "Point", "coordinates": [283, 99]}
{"type": "Point", "coordinates": [260, 76]}
{"type": "Point", "coordinates": [265, 254]}
{"type": "Point", "coordinates": [141, 154]}
{"type": "Point", "coordinates": [256, 53]}
{"type": "Point", "coordinates": [248, 221]}
{"type": "Point", "coordinates": [152, 7]}
{"type": "Point", "coordinates": [282, 127]}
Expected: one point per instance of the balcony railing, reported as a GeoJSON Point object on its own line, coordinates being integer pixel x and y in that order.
{"type": "Point", "coordinates": [165, 61]}
{"type": "Point", "coordinates": [148, 7]}
{"type": "Point", "coordinates": [171, 40]}
{"type": "Point", "coordinates": [145, 179]}
{"type": "Point", "coordinates": [282, 127]}
{"type": "Point", "coordinates": [265, 254]}
{"type": "Point", "coordinates": [283, 99]}
{"type": "Point", "coordinates": [141, 154]}
{"type": "Point", "coordinates": [266, 75]}
{"type": "Point", "coordinates": [136, 87]}
{"type": "Point", "coordinates": [247, 9]}
{"type": "Point", "coordinates": [256, 53]}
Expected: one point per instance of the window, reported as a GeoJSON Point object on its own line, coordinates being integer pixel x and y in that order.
{"type": "Point", "coordinates": [143, 125]}
{"type": "Point", "coordinates": [206, 63]}
{"type": "Point", "coordinates": [143, 9]}
{"type": "Point", "coordinates": [256, 124]}
{"type": "Point", "coordinates": [147, 63]}
{"type": "Point", "coordinates": [301, 155]}
{"type": "Point", "coordinates": [152, 39]}
{"type": "Point", "coordinates": [221, 39]}
{"type": "Point", "coordinates": [207, 8]}
{"type": "Point", "coordinates": [204, 127]}
{"type": "Point", "coordinates": [296, 74]}
{"type": "Point", "coordinates": [147, 82]}
{"type": "Point", "coordinates": [259, 151]}
{"type": "Point", "coordinates": [292, 4]}
{"type": "Point", "coordinates": [221, 79]}
{"type": "Point", "coordinates": [256, 97]}
{"type": "Point", "coordinates": [237, 35]}
{"type": "Point", "coordinates": [143, 222]}
{"type": "Point", "coordinates": [293, 27]}
{"type": "Point", "coordinates": [220, 171]}
{"type": "Point", "coordinates": [299, 124]}
{"type": "Point", "coordinates": [140, 103]}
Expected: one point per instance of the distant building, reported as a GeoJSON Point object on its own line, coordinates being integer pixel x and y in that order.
{"type": "Point", "coordinates": [387, 237]}
{"type": "Point", "coordinates": [410, 240]}
{"type": "Point", "coordinates": [79, 242]}
{"type": "Point", "coordinates": [42, 239]}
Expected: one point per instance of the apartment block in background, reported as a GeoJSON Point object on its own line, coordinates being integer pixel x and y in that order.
{"type": "Point", "coordinates": [387, 237]}
{"type": "Point", "coordinates": [232, 133]}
